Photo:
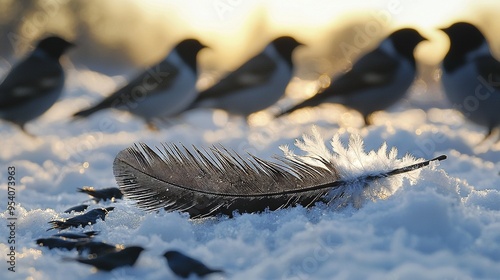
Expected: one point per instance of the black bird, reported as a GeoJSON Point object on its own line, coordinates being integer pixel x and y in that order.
{"type": "Point", "coordinates": [34, 84]}
{"type": "Point", "coordinates": [110, 261]}
{"type": "Point", "coordinates": [83, 220]}
{"type": "Point", "coordinates": [96, 248]}
{"type": "Point", "coordinates": [77, 235]}
{"type": "Point", "coordinates": [257, 84]}
{"type": "Point", "coordinates": [376, 81]}
{"type": "Point", "coordinates": [78, 208]}
{"type": "Point", "coordinates": [184, 266]}
{"type": "Point", "coordinates": [102, 194]}
{"type": "Point", "coordinates": [57, 242]}
{"type": "Point", "coordinates": [164, 90]}
{"type": "Point", "coordinates": [471, 76]}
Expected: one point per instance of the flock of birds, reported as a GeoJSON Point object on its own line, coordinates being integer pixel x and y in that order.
{"type": "Point", "coordinates": [105, 256]}
{"type": "Point", "coordinates": [376, 81]}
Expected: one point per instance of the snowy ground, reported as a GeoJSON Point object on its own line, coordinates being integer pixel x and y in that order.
{"type": "Point", "coordinates": [442, 222]}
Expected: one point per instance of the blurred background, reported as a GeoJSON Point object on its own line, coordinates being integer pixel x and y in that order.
{"type": "Point", "coordinates": [117, 37]}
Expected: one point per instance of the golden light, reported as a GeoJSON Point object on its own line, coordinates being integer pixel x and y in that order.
{"type": "Point", "coordinates": [142, 32]}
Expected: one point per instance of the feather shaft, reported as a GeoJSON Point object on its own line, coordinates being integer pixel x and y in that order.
{"type": "Point", "coordinates": [208, 183]}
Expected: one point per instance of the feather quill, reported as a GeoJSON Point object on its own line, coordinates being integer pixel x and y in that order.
{"type": "Point", "coordinates": [209, 183]}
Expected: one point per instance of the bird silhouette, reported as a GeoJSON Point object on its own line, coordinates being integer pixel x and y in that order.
{"type": "Point", "coordinates": [83, 220]}
{"type": "Point", "coordinates": [163, 90]}
{"type": "Point", "coordinates": [57, 243]}
{"type": "Point", "coordinates": [77, 235]}
{"type": "Point", "coordinates": [96, 248]}
{"type": "Point", "coordinates": [184, 266]}
{"type": "Point", "coordinates": [471, 76]}
{"type": "Point", "coordinates": [109, 261]}
{"type": "Point", "coordinates": [78, 208]}
{"type": "Point", "coordinates": [257, 84]}
{"type": "Point", "coordinates": [34, 84]}
{"type": "Point", "coordinates": [102, 194]}
{"type": "Point", "coordinates": [376, 81]}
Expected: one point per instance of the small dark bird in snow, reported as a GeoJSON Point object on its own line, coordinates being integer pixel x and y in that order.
{"type": "Point", "coordinates": [34, 84]}
{"type": "Point", "coordinates": [77, 235]}
{"type": "Point", "coordinates": [96, 248]}
{"type": "Point", "coordinates": [376, 81]}
{"type": "Point", "coordinates": [102, 194]}
{"type": "Point", "coordinates": [57, 243]}
{"type": "Point", "coordinates": [163, 90]}
{"type": "Point", "coordinates": [110, 261]}
{"type": "Point", "coordinates": [257, 84]}
{"type": "Point", "coordinates": [83, 220]}
{"type": "Point", "coordinates": [184, 266]}
{"type": "Point", "coordinates": [471, 76]}
{"type": "Point", "coordinates": [78, 208]}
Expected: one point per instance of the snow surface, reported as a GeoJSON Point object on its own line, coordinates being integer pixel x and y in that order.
{"type": "Point", "coordinates": [441, 222]}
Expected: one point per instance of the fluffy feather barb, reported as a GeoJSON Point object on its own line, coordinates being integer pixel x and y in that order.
{"type": "Point", "coordinates": [218, 181]}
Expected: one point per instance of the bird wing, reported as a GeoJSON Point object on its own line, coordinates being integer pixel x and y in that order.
{"type": "Point", "coordinates": [28, 80]}
{"type": "Point", "coordinates": [254, 72]}
{"type": "Point", "coordinates": [152, 81]}
{"type": "Point", "coordinates": [489, 69]}
{"type": "Point", "coordinates": [104, 262]}
{"type": "Point", "coordinates": [78, 208]}
{"type": "Point", "coordinates": [372, 70]}
{"type": "Point", "coordinates": [90, 217]}
{"type": "Point", "coordinates": [375, 69]}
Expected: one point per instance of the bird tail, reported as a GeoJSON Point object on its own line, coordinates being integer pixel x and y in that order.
{"type": "Point", "coordinates": [86, 190]}
{"type": "Point", "coordinates": [87, 112]}
{"type": "Point", "coordinates": [90, 191]}
{"type": "Point", "coordinates": [217, 271]}
{"type": "Point", "coordinates": [56, 224]}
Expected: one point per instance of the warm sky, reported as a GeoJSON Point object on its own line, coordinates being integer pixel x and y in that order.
{"type": "Point", "coordinates": [130, 32]}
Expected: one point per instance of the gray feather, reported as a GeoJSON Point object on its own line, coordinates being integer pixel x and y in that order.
{"type": "Point", "coordinates": [209, 183]}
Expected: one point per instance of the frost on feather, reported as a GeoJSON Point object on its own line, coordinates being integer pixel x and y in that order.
{"type": "Point", "coordinates": [208, 183]}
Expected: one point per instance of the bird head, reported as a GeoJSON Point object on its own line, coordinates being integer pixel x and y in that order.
{"type": "Point", "coordinates": [464, 37]}
{"type": "Point", "coordinates": [188, 50]}
{"type": "Point", "coordinates": [405, 40]}
{"type": "Point", "coordinates": [191, 46]}
{"type": "Point", "coordinates": [54, 46]}
{"type": "Point", "coordinates": [286, 44]}
{"type": "Point", "coordinates": [171, 254]}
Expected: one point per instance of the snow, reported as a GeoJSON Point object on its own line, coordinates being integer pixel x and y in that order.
{"type": "Point", "coordinates": [440, 222]}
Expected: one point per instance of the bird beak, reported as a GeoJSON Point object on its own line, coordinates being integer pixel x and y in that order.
{"type": "Point", "coordinates": [70, 45]}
